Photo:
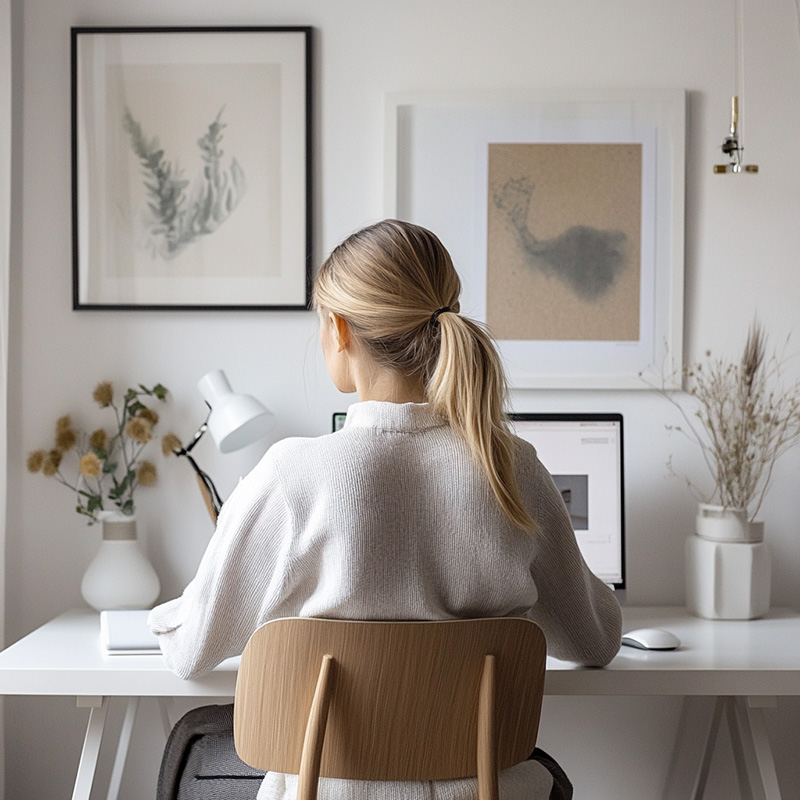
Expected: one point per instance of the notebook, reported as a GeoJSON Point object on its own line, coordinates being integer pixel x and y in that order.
{"type": "Point", "coordinates": [584, 454]}
{"type": "Point", "coordinates": [125, 632]}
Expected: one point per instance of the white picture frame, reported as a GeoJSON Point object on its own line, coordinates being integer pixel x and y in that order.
{"type": "Point", "coordinates": [437, 175]}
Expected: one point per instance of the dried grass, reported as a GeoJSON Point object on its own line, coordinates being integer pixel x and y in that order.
{"type": "Point", "coordinates": [744, 420]}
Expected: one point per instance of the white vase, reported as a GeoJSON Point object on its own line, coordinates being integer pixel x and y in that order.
{"type": "Point", "coordinates": [721, 524]}
{"type": "Point", "coordinates": [120, 576]}
{"type": "Point", "coordinates": [728, 566]}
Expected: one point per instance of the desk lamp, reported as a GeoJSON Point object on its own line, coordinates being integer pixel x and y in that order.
{"type": "Point", "coordinates": [234, 421]}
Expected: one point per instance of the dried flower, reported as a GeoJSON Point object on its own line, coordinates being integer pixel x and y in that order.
{"type": "Point", "coordinates": [147, 474]}
{"type": "Point", "coordinates": [103, 394]}
{"type": "Point", "coordinates": [90, 466]}
{"type": "Point", "coordinates": [36, 461]}
{"type": "Point", "coordinates": [139, 429]}
{"type": "Point", "coordinates": [149, 414]}
{"type": "Point", "coordinates": [66, 439]}
{"type": "Point", "coordinates": [745, 420]}
{"type": "Point", "coordinates": [170, 443]}
{"type": "Point", "coordinates": [51, 463]}
{"type": "Point", "coordinates": [98, 440]}
{"type": "Point", "coordinates": [112, 461]}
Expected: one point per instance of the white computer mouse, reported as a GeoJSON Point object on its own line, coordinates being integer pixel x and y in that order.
{"type": "Point", "coordinates": [651, 639]}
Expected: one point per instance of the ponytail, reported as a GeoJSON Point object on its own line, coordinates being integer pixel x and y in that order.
{"type": "Point", "coordinates": [396, 286]}
{"type": "Point", "coordinates": [467, 387]}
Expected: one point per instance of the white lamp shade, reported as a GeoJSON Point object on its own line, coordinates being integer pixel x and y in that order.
{"type": "Point", "coordinates": [236, 420]}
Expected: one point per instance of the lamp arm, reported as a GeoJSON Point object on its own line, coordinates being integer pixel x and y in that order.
{"type": "Point", "coordinates": [195, 439]}
{"type": "Point", "coordinates": [207, 482]}
{"type": "Point", "coordinates": [210, 493]}
{"type": "Point", "coordinates": [207, 487]}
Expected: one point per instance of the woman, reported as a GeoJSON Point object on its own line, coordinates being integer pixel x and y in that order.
{"type": "Point", "coordinates": [423, 506]}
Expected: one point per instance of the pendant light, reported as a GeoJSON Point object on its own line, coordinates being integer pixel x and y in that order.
{"type": "Point", "coordinates": [732, 146]}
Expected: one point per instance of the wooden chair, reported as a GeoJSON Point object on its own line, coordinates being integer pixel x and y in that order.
{"type": "Point", "coordinates": [404, 701]}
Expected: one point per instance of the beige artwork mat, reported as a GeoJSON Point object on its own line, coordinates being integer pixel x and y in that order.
{"type": "Point", "coordinates": [564, 241]}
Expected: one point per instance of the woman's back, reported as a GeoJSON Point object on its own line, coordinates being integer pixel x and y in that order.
{"type": "Point", "coordinates": [400, 523]}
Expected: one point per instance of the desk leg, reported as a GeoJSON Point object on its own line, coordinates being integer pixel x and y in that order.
{"type": "Point", "coordinates": [694, 746]}
{"type": "Point", "coordinates": [741, 753]}
{"type": "Point", "coordinates": [697, 736]}
{"type": "Point", "coordinates": [165, 705]}
{"type": "Point", "coordinates": [748, 717]}
{"type": "Point", "coordinates": [122, 748]}
{"type": "Point", "coordinates": [94, 735]}
{"type": "Point", "coordinates": [91, 745]}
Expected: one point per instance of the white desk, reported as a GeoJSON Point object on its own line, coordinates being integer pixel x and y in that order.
{"type": "Point", "coordinates": [731, 669]}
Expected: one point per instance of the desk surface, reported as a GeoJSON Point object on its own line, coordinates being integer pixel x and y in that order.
{"type": "Point", "coordinates": [760, 657]}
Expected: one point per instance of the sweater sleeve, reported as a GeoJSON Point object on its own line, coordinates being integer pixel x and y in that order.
{"type": "Point", "coordinates": [577, 612]}
{"type": "Point", "coordinates": [241, 577]}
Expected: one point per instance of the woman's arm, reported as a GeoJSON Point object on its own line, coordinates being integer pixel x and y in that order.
{"type": "Point", "coordinates": [577, 612]}
{"type": "Point", "coordinates": [240, 577]}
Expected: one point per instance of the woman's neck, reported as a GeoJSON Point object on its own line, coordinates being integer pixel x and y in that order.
{"type": "Point", "coordinates": [389, 387]}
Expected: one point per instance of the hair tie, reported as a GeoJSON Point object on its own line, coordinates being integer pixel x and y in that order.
{"type": "Point", "coordinates": [434, 321]}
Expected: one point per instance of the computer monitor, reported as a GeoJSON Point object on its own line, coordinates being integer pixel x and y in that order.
{"type": "Point", "coordinates": [584, 454]}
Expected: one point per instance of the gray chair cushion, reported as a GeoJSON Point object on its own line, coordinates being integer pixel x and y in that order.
{"type": "Point", "coordinates": [200, 761]}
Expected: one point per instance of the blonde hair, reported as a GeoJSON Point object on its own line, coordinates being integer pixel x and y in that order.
{"type": "Point", "coordinates": [394, 283]}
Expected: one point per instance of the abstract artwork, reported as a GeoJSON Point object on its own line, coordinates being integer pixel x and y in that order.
{"type": "Point", "coordinates": [191, 168]}
{"type": "Point", "coordinates": [564, 232]}
{"type": "Point", "coordinates": [563, 211]}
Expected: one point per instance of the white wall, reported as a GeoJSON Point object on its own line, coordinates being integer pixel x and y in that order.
{"type": "Point", "coordinates": [5, 228]}
{"type": "Point", "coordinates": [742, 245]}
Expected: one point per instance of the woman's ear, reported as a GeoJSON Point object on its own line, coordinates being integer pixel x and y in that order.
{"type": "Point", "coordinates": [341, 330]}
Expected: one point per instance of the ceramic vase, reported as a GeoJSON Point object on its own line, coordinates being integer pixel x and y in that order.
{"type": "Point", "coordinates": [728, 566]}
{"type": "Point", "coordinates": [120, 576]}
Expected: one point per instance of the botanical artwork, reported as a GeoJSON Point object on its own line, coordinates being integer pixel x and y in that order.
{"type": "Point", "coordinates": [194, 170]}
{"type": "Point", "coordinates": [179, 210]}
{"type": "Point", "coordinates": [564, 241]}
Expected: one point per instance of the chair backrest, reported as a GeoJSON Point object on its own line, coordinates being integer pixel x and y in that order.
{"type": "Point", "coordinates": [390, 700]}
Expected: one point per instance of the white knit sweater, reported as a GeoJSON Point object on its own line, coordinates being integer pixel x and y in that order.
{"type": "Point", "coordinates": [390, 518]}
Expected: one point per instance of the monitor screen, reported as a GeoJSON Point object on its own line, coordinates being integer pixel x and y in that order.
{"type": "Point", "coordinates": [583, 453]}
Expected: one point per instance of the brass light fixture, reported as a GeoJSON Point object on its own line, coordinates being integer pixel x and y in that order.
{"type": "Point", "coordinates": [732, 146]}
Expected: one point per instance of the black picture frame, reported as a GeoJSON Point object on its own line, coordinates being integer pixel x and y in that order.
{"type": "Point", "coordinates": [191, 168]}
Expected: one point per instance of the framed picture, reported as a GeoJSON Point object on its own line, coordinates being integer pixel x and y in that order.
{"type": "Point", "coordinates": [563, 211]}
{"type": "Point", "coordinates": [191, 168]}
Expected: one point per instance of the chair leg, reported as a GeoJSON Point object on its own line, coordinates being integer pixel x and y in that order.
{"type": "Point", "coordinates": [487, 736]}
{"type": "Point", "coordinates": [315, 733]}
